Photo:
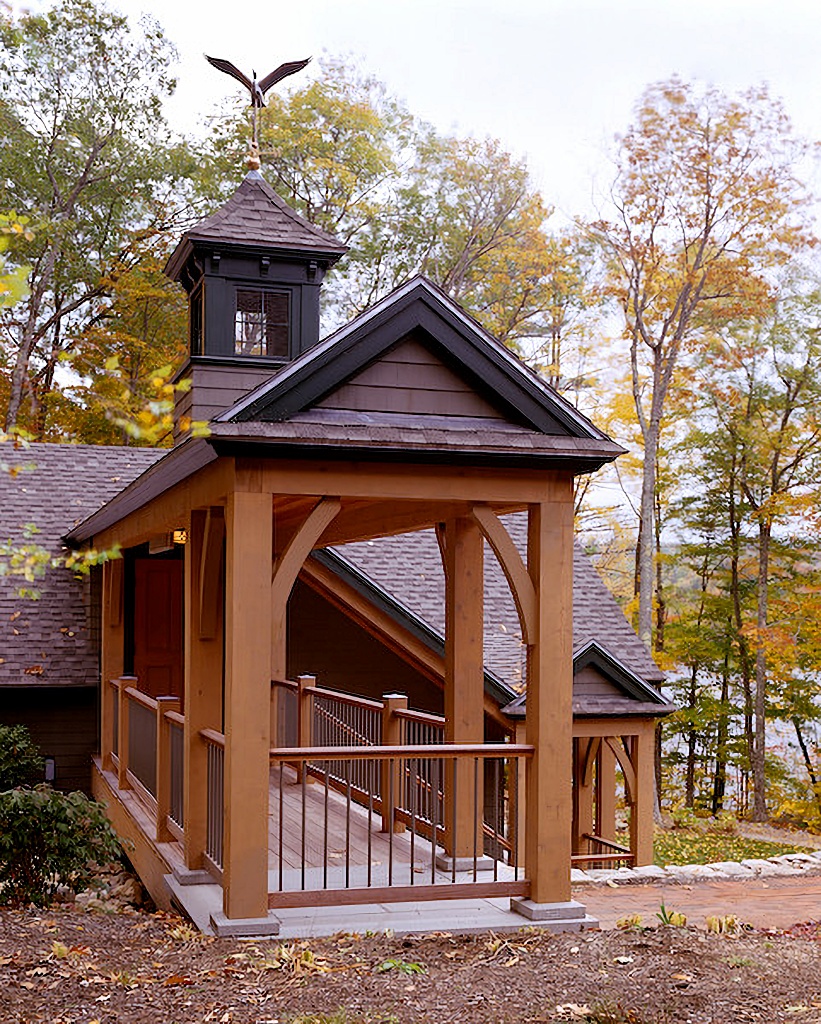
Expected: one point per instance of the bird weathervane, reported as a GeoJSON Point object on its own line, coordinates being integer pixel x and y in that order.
{"type": "Point", "coordinates": [256, 88]}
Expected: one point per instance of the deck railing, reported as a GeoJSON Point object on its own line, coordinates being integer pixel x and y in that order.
{"type": "Point", "coordinates": [332, 848]}
{"type": "Point", "coordinates": [603, 853]}
{"type": "Point", "coordinates": [142, 739]}
{"type": "Point", "coordinates": [176, 727]}
{"type": "Point", "coordinates": [146, 749]}
{"type": "Point", "coordinates": [215, 744]}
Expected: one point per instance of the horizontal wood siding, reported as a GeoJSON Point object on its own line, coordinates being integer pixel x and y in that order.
{"type": "Point", "coordinates": [590, 682]}
{"type": "Point", "coordinates": [410, 379]}
{"type": "Point", "coordinates": [62, 722]}
{"type": "Point", "coordinates": [343, 656]}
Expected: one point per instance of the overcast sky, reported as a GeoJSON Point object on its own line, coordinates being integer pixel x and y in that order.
{"type": "Point", "coordinates": [553, 79]}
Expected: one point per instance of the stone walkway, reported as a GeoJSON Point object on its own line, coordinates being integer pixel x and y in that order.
{"type": "Point", "coordinates": [773, 902]}
{"type": "Point", "coordinates": [774, 893]}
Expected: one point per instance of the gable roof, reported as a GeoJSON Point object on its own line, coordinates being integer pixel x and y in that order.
{"type": "Point", "coordinates": [53, 641]}
{"type": "Point", "coordinates": [256, 215]}
{"type": "Point", "coordinates": [450, 332]}
{"type": "Point", "coordinates": [628, 694]}
{"type": "Point", "coordinates": [517, 416]}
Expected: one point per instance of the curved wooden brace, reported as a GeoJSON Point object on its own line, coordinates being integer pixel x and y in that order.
{"type": "Point", "coordinates": [286, 571]}
{"type": "Point", "coordinates": [627, 767]}
{"type": "Point", "coordinates": [589, 761]}
{"type": "Point", "coordinates": [299, 547]}
{"type": "Point", "coordinates": [518, 578]}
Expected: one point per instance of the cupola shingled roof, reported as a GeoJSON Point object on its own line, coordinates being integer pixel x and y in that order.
{"type": "Point", "coordinates": [256, 215]}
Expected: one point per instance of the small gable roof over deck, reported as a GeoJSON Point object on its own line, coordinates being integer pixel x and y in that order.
{"type": "Point", "coordinates": [343, 398]}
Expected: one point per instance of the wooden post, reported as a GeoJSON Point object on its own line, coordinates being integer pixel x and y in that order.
{"type": "Point", "coordinates": [164, 766]}
{"type": "Point", "coordinates": [247, 696]}
{"type": "Point", "coordinates": [549, 696]}
{"type": "Point", "coordinates": [112, 653]}
{"type": "Point", "coordinates": [122, 731]}
{"type": "Point", "coordinates": [606, 793]}
{"type": "Point", "coordinates": [304, 719]}
{"type": "Point", "coordinates": [391, 737]}
{"type": "Point", "coordinates": [641, 816]}
{"type": "Point", "coordinates": [203, 670]}
{"type": "Point", "coordinates": [464, 682]}
{"type": "Point", "coordinates": [582, 796]}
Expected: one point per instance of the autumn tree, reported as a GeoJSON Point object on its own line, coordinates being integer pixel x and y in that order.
{"type": "Point", "coordinates": [750, 465]}
{"type": "Point", "coordinates": [705, 205]}
{"type": "Point", "coordinates": [85, 155]}
{"type": "Point", "coordinates": [123, 359]}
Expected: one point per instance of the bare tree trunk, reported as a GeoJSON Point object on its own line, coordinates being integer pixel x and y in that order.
{"type": "Point", "coordinates": [690, 773]}
{"type": "Point", "coordinates": [720, 777]}
{"type": "Point", "coordinates": [802, 743]}
{"type": "Point", "coordinates": [759, 706]}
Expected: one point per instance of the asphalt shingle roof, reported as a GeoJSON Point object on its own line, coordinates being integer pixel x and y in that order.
{"type": "Point", "coordinates": [50, 641]}
{"type": "Point", "coordinates": [52, 638]}
{"type": "Point", "coordinates": [409, 567]}
{"type": "Point", "coordinates": [255, 214]}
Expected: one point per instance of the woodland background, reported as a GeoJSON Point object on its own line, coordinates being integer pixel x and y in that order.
{"type": "Point", "coordinates": [684, 319]}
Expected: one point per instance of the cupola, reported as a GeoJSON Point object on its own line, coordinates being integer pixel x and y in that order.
{"type": "Point", "coordinates": [252, 271]}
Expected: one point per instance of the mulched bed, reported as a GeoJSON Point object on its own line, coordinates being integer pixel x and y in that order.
{"type": "Point", "coordinates": [67, 966]}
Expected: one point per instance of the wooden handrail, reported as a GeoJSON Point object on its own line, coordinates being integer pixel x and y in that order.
{"type": "Point", "coordinates": [344, 698]}
{"type": "Point", "coordinates": [175, 717]}
{"type": "Point", "coordinates": [449, 751]}
{"type": "Point", "coordinates": [607, 843]}
{"type": "Point", "coordinates": [286, 684]}
{"type": "Point", "coordinates": [141, 698]}
{"type": "Point", "coordinates": [424, 717]}
{"type": "Point", "coordinates": [213, 737]}
{"type": "Point", "coordinates": [584, 858]}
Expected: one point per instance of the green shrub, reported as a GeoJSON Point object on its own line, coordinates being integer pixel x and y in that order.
{"type": "Point", "coordinates": [49, 839]}
{"type": "Point", "coordinates": [20, 760]}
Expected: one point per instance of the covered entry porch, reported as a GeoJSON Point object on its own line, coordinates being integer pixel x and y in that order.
{"type": "Point", "coordinates": [205, 765]}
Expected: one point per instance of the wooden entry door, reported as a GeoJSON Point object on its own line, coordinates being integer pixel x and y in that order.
{"type": "Point", "coordinates": [158, 626]}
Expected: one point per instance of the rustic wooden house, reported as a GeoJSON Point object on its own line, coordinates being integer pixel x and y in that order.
{"type": "Point", "coordinates": [355, 504]}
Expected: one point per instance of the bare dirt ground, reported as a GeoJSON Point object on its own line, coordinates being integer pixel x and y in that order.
{"type": "Point", "coordinates": [69, 966]}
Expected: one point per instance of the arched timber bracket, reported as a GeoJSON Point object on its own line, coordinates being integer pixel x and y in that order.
{"type": "Point", "coordinates": [589, 761]}
{"type": "Point", "coordinates": [299, 547]}
{"type": "Point", "coordinates": [627, 767]}
{"type": "Point", "coordinates": [211, 572]}
{"type": "Point", "coordinates": [518, 578]}
{"type": "Point", "coordinates": [286, 570]}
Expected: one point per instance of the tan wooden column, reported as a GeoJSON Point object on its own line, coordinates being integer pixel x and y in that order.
{"type": "Point", "coordinates": [582, 793]}
{"type": "Point", "coordinates": [247, 695]}
{"type": "Point", "coordinates": [113, 651]}
{"type": "Point", "coordinates": [549, 696]}
{"type": "Point", "coordinates": [641, 817]}
{"type": "Point", "coordinates": [606, 793]}
{"type": "Point", "coordinates": [464, 676]}
{"type": "Point", "coordinates": [203, 640]}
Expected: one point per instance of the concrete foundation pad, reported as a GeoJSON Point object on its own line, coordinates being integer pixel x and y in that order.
{"type": "Point", "coordinates": [247, 927]}
{"type": "Point", "coordinates": [445, 863]}
{"type": "Point", "coordinates": [567, 916]}
{"type": "Point", "coordinates": [186, 876]}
